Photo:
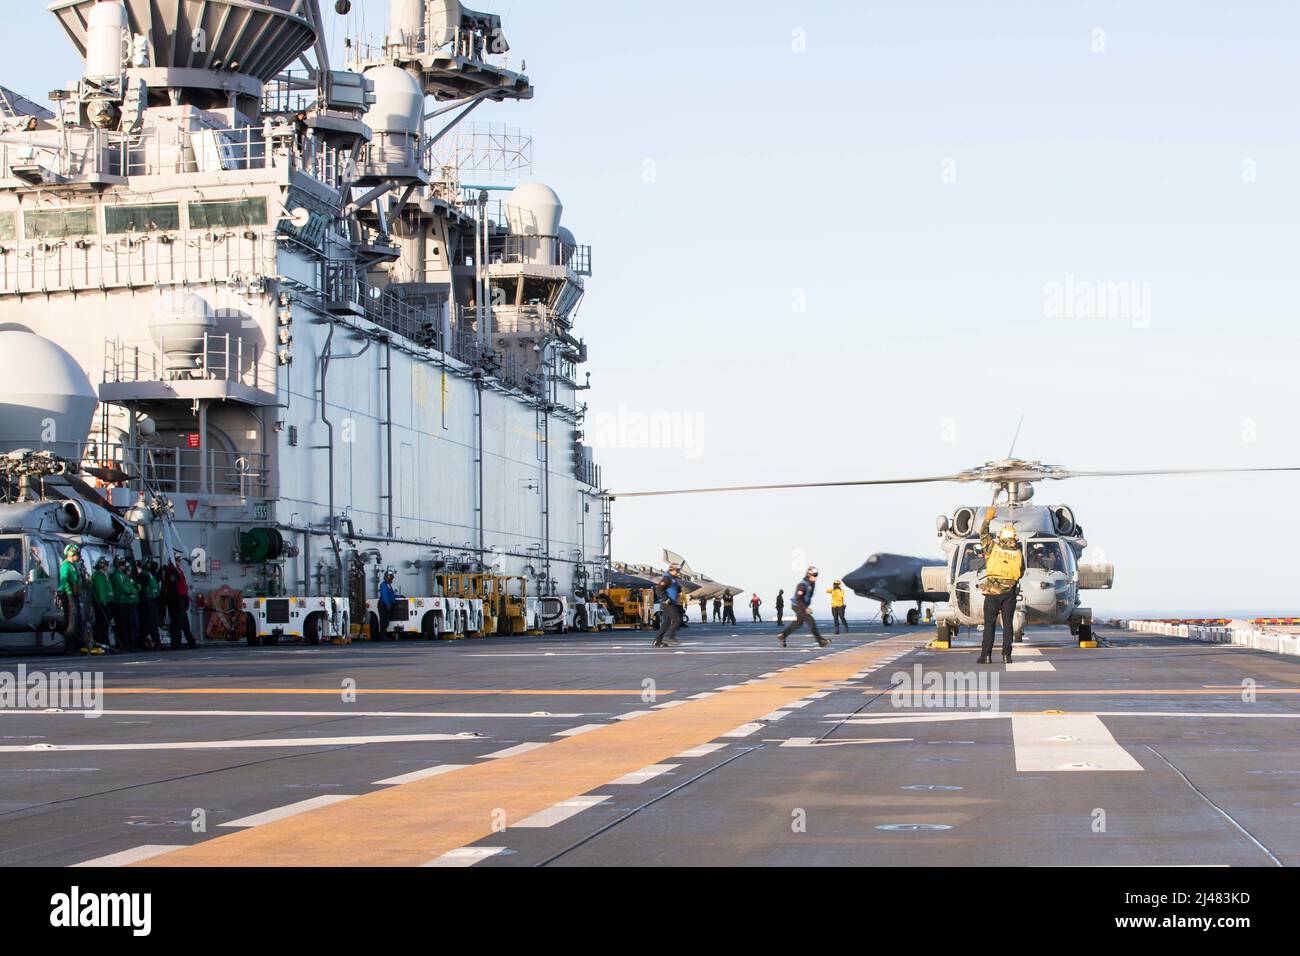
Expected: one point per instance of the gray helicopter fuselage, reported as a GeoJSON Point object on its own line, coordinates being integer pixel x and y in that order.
{"type": "Point", "coordinates": [1051, 544]}
{"type": "Point", "coordinates": [32, 542]}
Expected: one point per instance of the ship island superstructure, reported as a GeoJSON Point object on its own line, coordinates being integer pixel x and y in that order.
{"type": "Point", "coordinates": [325, 353]}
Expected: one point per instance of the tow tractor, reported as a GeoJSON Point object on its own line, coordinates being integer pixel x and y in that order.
{"type": "Point", "coordinates": [315, 620]}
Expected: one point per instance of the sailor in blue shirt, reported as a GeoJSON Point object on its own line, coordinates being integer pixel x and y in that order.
{"type": "Point", "coordinates": [669, 592]}
{"type": "Point", "coordinates": [387, 604]}
{"type": "Point", "coordinates": [802, 606]}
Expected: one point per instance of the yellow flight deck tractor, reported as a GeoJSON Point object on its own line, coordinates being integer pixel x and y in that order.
{"type": "Point", "coordinates": [508, 598]}
{"type": "Point", "coordinates": [631, 608]}
{"type": "Point", "coordinates": [462, 595]}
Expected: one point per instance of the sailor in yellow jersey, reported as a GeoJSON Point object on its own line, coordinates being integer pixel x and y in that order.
{"type": "Point", "coordinates": [836, 591]}
{"type": "Point", "coordinates": [1004, 567]}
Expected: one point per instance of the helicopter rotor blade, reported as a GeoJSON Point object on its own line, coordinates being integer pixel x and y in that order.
{"type": "Point", "coordinates": [809, 484]}
{"type": "Point", "coordinates": [1168, 471]}
{"type": "Point", "coordinates": [994, 475]}
{"type": "Point", "coordinates": [1015, 438]}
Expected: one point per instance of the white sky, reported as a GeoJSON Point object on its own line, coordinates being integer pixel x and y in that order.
{"type": "Point", "coordinates": [817, 176]}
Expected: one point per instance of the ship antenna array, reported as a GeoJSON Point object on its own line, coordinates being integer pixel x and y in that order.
{"type": "Point", "coordinates": [485, 152]}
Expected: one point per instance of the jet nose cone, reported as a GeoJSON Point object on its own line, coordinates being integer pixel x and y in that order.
{"type": "Point", "coordinates": [858, 580]}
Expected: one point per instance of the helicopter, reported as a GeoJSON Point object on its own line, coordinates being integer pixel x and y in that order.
{"type": "Point", "coordinates": [1051, 538]}
{"type": "Point", "coordinates": [45, 505]}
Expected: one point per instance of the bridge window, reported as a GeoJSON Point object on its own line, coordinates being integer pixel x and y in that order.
{"type": "Point", "coordinates": [59, 223]}
{"type": "Point", "coordinates": [161, 217]}
{"type": "Point", "coordinates": [228, 214]}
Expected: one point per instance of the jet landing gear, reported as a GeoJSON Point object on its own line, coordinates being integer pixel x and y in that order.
{"type": "Point", "coordinates": [914, 615]}
{"type": "Point", "coordinates": [887, 615]}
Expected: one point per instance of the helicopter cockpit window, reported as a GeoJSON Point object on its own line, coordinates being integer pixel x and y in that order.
{"type": "Point", "coordinates": [11, 558]}
{"type": "Point", "coordinates": [972, 559]}
{"type": "Point", "coordinates": [1046, 556]}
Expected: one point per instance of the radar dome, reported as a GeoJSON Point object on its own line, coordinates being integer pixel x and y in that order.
{"type": "Point", "coordinates": [399, 101]}
{"type": "Point", "coordinates": [438, 20]}
{"type": "Point", "coordinates": [533, 209]}
{"type": "Point", "coordinates": [568, 243]}
{"type": "Point", "coordinates": [444, 21]}
{"type": "Point", "coordinates": [180, 320]}
{"type": "Point", "coordinates": [46, 399]}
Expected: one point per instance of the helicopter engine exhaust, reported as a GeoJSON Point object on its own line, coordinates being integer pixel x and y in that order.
{"type": "Point", "coordinates": [963, 521]}
{"type": "Point", "coordinates": [82, 517]}
{"type": "Point", "coordinates": [1063, 518]}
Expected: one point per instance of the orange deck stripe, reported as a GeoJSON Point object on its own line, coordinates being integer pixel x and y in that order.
{"type": "Point", "coordinates": [414, 823]}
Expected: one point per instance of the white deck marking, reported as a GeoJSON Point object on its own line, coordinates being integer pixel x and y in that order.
{"type": "Point", "coordinates": [744, 730]}
{"type": "Point", "coordinates": [560, 812]}
{"type": "Point", "coordinates": [703, 750]}
{"type": "Point", "coordinates": [135, 855]}
{"type": "Point", "coordinates": [420, 774]}
{"type": "Point", "coordinates": [707, 693]}
{"type": "Point", "coordinates": [574, 731]}
{"type": "Point", "coordinates": [1050, 742]}
{"type": "Point", "coordinates": [775, 715]}
{"type": "Point", "coordinates": [1019, 666]}
{"type": "Point", "coordinates": [644, 774]}
{"type": "Point", "coordinates": [240, 744]}
{"type": "Point", "coordinates": [514, 751]}
{"type": "Point", "coordinates": [924, 718]}
{"type": "Point", "coordinates": [814, 742]}
{"type": "Point", "coordinates": [819, 695]}
{"type": "Point", "coordinates": [667, 704]}
{"type": "Point", "coordinates": [466, 856]}
{"type": "Point", "coordinates": [633, 714]}
{"type": "Point", "coordinates": [290, 810]}
{"type": "Point", "coordinates": [1175, 713]}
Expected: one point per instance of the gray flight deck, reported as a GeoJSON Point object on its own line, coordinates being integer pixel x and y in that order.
{"type": "Point", "coordinates": [1145, 751]}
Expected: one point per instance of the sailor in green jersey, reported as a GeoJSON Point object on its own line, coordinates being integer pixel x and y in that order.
{"type": "Point", "coordinates": [101, 593]}
{"type": "Point", "coordinates": [148, 606]}
{"type": "Point", "coordinates": [68, 595]}
{"type": "Point", "coordinates": [126, 600]}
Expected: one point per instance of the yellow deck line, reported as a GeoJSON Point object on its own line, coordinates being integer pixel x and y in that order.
{"type": "Point", "coordinates": [414, 823]}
